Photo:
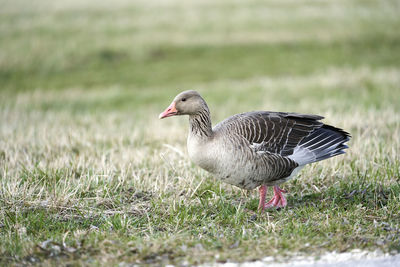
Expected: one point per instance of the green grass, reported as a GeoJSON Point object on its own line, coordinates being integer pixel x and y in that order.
{"type": "Point", "coordinates": [181, 66]}
{"type": "Point", "coordinates": [89, 175]}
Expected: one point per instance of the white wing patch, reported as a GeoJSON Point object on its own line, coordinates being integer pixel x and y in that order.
{"type": "Point", "coordinates": [302, 155]}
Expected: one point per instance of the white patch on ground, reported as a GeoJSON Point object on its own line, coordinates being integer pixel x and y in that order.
{"type": "Point", "coordinates": [352, 258]}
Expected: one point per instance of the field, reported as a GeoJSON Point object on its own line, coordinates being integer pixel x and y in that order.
{"type": "Point", "coordinates": [89, 175]}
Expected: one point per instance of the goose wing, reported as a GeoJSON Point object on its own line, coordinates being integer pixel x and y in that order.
{"type": "Point", "coordinates": [272, 132]}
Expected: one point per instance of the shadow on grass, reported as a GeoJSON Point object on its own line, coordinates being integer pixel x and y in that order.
{"type": "Point", "coordinates": [372, 196]}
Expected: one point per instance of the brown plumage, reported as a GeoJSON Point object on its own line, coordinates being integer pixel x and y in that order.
{"type": "Point", "coordinates": [258, 148]}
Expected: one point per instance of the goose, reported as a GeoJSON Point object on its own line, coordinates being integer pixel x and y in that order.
{"type": "Point", "coordinates": [256, 149]}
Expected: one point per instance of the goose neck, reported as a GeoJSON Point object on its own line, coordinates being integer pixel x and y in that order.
{"type": "Point", "coordinates": [200, 124]}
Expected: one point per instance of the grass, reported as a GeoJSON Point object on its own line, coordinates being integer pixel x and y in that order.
{"type": "Point", "coordinates": [89, 175]}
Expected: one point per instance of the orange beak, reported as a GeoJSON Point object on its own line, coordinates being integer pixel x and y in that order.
{"type": "Point", "coordinates": [170, 111]}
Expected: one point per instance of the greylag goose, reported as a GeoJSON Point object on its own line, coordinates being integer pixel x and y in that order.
{"type": "Point", "coordinates": [256, 149]}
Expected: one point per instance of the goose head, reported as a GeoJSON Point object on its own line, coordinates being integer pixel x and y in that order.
{"type": "Point", "coordinates": [186, 103]}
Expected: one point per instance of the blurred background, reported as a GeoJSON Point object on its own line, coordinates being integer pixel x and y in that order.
{"type": "Point", "coordinates": [91, 56]}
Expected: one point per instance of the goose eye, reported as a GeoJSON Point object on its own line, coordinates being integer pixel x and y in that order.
{"type": "Point", "coordinates": [183, 99]}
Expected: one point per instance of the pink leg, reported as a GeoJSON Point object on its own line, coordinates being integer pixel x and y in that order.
{"type": "Point", "coordinates": [279, 200]}
{"type": "Point", "coordinates": [263, 190]}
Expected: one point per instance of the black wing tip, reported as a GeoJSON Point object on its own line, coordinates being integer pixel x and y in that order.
{"type": "Point", "coordinates": [347, 136]}
{"type": "Point", "coordinates": [344, 146]}
{"type": "Point", "coordinates": [330, 155]}
{"type": "Point", "coordinates": [324, 151]}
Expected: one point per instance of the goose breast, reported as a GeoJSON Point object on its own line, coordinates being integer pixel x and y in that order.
{"type": "Point", "coordinates": [234, 160]}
